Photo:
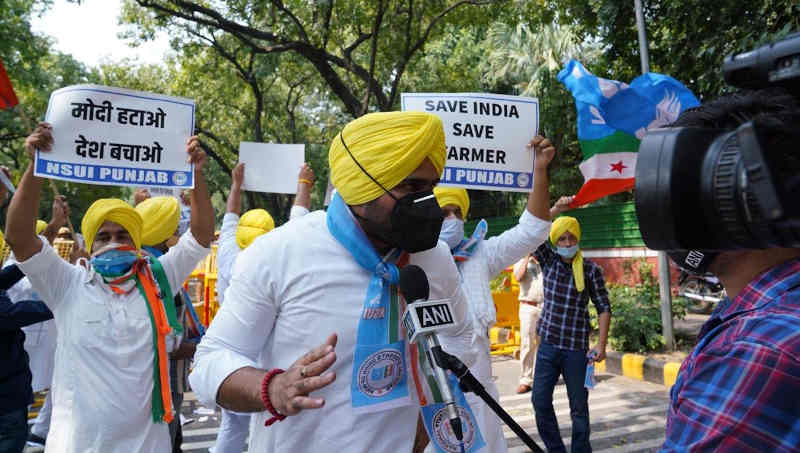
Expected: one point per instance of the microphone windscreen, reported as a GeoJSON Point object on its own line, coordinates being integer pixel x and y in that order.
{"type": "Point", "coordinates": [413, 283]}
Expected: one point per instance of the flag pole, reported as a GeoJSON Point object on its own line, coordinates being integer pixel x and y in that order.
{"type": "Point", "coordinates": [663, 260]}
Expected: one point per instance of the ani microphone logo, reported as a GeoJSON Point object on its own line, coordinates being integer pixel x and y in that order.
{"type": "Point", "coordinates": [380, 373]}
{"type": "Point", "coordinates": [443, 432]}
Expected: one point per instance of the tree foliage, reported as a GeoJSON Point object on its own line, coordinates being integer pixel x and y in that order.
{"type": "Point", "coordinates": [688, 39]}
{"type": "Point", "coordinates": [361, 50]}
{"type": "Point", "coordinates": [35, 70]}
{"type": "Point", "coordinates": [295, 71]}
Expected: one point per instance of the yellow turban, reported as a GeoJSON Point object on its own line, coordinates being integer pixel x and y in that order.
{"type": "Point", "coordinates": [114, 210]}
{"type": "Point", "coordinates": [390, 146]}
{"type": "Point", "coordinates": [253, 224]}
{"type": "Point", "coordinates": [560, 226]}
{"type": "Point", "coordinates": [452, 195]}
{"type": "Point", "coordinates": [160, 216]}
{"type": "Point", "coordinates": [2, 242]}
{"type": "Point", "coordinates": [40, 226]}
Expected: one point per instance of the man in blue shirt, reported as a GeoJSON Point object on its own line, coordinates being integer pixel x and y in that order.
{"type": "Point", "coordinates": [15, 374]}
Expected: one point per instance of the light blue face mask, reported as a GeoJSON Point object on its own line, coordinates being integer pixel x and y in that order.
{"type": "Point", "coordinates": [452, 231]}
{"type": "Point", "coordinates": [114, 262]}
{"type": "Point", "coordinates": [567, 252]}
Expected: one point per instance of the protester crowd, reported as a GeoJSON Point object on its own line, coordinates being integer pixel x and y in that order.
{"type": "Point", "coordinates": [308, 351]}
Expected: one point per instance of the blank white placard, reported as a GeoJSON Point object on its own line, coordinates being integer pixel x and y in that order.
{"type": "Point", "coordinates": [271, 167]}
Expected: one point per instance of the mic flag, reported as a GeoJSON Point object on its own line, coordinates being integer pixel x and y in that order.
{"type": "Point", "coordinates": [448, 419]}
{"type": "Point", "coordinates": [421, 316]}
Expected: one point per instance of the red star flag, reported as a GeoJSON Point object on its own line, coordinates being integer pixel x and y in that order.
{"type": "Point", "coordinates": [612, 119]}
{"type": "Point", "coordinates": [8, 98]}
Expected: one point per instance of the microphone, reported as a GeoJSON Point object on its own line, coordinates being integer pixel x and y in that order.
{"type": "Point", "coordinates": [422, 319]}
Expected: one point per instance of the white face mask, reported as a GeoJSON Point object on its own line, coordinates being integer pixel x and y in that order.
{"type": "Point", "coordinates": [452, 231]}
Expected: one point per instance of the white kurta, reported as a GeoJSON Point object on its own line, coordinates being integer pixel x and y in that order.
{"type": "Point", "coordinates": [228, 249]}
{"type": "Point", "coordinates": [40, 338]}
{"type": "Point", "coordinates": [490, 257]}
{"type": "Point", "coordinates": [103, 380]}
{"type": "Point", "coordinates": [290, 290]}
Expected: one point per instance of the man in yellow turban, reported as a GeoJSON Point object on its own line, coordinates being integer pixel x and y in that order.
{"type": "Point", "coordinates": [115, 327]}
{"type": "Point", "coordinates": [253, 224]}
{"type": "Point", "coordinates": [160, 216]}
{"type": "Point", "coordinates": [478, 261]}
{"type": "Point", "coordinates": [313, 305]}
{"type": "Point", "coordinates": [569, 282]}
{"type": "Point", "coordinates": [160, 219]}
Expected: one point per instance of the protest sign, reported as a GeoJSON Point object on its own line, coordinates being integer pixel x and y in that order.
{"type": "Point", "coordinates": [114, 136]}
{"type": "Point", "coordinates": [486, 137]}
{"type": "Point", "coordinates": [271, 167]}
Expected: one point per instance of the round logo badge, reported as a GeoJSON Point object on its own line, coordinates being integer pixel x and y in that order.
{"type": "Point", "coordinates": [380, 372]}
{"type": "Point", "coordinates": [444, 432]}
{"type": "Point", "coordinates": [523, 179]}
{"type": "Point", "coordinates": [179, 178]}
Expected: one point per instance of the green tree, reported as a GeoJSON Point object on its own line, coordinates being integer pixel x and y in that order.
{"type": "Point", "coordinates": [528, 58]}
{"type": "Point", "coordinates": [361, 50]}
{"type": "Point", "coordinates": [35, 70]}
{"type": "Point", "coordinates": [688, 39]}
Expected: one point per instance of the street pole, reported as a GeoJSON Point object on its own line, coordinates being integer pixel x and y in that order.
{"type": "Point", "coordinates": [663, 260]}
{"type": "Point", "coordinates": [644, 55]}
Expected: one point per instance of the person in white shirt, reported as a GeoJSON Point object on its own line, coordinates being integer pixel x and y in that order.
{"type": "Point", "coordinates": [111, 381]}
{"type": "Point", "coordinates": [306, 299]}
{"type": "Point", "coordinates": [236, 234]}
{"type": "Point", "coordinates": [479, 260]}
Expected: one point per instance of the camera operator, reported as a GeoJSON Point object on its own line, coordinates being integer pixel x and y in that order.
{"type": "Point", "coordinates": [739, 389]}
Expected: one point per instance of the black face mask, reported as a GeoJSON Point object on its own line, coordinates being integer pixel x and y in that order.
{"type": "Point", "coordinates": [415, 221]}
{"type": "Point", "coordinates": [414, 224]}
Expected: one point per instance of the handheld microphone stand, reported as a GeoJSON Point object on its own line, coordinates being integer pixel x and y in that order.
{"type": "Point", "coordinates": [469, 383]}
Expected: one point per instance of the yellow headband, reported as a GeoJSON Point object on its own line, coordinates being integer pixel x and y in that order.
{"type": "Point", "coordinates": [160, 216]}
{"type": "Point", "coordinates": [455, 196]}
{"type": "Point", "coordinates": [253, 224]}
{"type": "Point", "coordinates": [113, 210]}
{"type": "Point", "coordinates": [390, 146]}
{"type": "Point", "coordinates": [560, 226]}
{"type": "Point", "coordinates": [64, 230]}
{"type": "Point", "coordinates": [40, 226]}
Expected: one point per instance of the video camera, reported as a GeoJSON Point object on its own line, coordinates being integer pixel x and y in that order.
{"type": "Point", "coordinates": [699, 191]}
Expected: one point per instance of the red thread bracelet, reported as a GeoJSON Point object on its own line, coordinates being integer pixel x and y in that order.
{"type": "Point", "coordinates": [276, 416]}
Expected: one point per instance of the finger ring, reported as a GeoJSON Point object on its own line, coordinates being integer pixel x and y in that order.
{"type": "Point", "coordinates": [303, 372]}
